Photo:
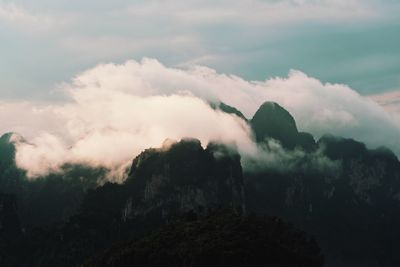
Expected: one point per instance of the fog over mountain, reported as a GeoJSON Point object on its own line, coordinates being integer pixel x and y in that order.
{"type": "Point", "coordinates": [342, 194]}
{"type": "Point", "coordinates": [122, 109]}
{"type": "Point", "coordinates": [231, 133]}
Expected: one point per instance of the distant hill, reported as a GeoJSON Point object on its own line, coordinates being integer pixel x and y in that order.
{"type": "Point", "coordinates": [273, 121]}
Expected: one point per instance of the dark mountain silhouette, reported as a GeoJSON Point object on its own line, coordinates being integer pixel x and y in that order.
{"type": "Point", "coordinates": [9, 222]}
{"type": "Point", "coordinates": [163, 186]}
{"type": "Point", "coordinates": [351, 209]}
{"type": "Point", "coordinates": [273, 121]}
{"type": "Point", "coordinates": [185, 178]}
{"type": "Point", "coordinates": [47, 199]}
{"type": "Point", "coordinates": [220, 239]}
{"type": "Point", "coordinates": [229, 109]}
{"type": "Point", "coordinates": [10, 227]}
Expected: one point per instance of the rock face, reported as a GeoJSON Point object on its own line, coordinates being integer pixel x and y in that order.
{"type": "Point", "coordinates": [164, 185]}
{"type": "Point", "coordinates": [352, 211]}
{"type": "Point", "coordinates": [273, 121]}
{"type": "Point", "coordinates": [229, 109]}
{"type": "Point", "coordinates": [185, 178]}
{"type": "Point", "coordinates": [372, 175]}
{"type": "Point", "coordinates": [7, 151]}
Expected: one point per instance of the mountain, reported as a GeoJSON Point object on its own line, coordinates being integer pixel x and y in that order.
{"type": "Point", "coordinates": [166, 183]}
{"type": "Point", "coordinates": [273, 121]}
{"type": "Point", "coordinates": [352, 210]}
{"type": "Point", "coordinates": [178, 181]}
{"type": "Point", "coordinates": [51, 198]}
{"type": "Point", "coordinates": [338, 190]}
{"type": "Point", "coordinates": [185, 178]}
{"type": "Point", "coordinates": [11, 178]}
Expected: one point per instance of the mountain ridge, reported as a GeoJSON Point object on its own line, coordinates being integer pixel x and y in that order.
{"type": "Point", "coordinates": [357, 203]}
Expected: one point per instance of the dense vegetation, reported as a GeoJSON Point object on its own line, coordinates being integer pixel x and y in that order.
{"type": "Point", "coordinates": [221, 239]}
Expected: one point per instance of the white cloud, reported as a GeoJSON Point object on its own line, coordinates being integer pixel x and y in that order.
{"type": "Point", "coordinates": [318, 108]}
{"type": "Point", "coordinates": [116, 111]}
{"type": "Point", "coordinates": [108, 122]}
{"type": "Point", "coordinates": [334, 108]}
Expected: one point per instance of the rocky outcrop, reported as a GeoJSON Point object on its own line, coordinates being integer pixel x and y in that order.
{"type": "Point", "coordinates": [273, 121]}
{"type": "Point", "coordinates": [352, 211]}
{"type": "Point", "coordinates": [184, 178]}
{"type": "Point", "coordinates": [165, 185]}
{"type": "Point", "coordinates": [228, 109]}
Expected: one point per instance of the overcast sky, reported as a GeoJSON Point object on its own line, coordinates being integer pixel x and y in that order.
{"type": "Point", "coordinates": [46, 42]}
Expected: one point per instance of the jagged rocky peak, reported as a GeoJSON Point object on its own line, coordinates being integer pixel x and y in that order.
{"type": "Point", "coordinates": [11, 138]}
{"type": "Point", "coordinates": [7, 149]}
{"type": "Point", "coordinates": [275, 113]}
{"type": "Point", "coordinates": [346, 148]}
{"type": "Point", "coordinates": [273, 121]}
{"type": "Point", "coordinates": [372, 174]}
{"type": "Point", "coordinates": [384, 152]}
{"type": "Point", "coordinates": [339, 147]}
{"type": "Point", "coordinates": [184, 178]}
{"type": "Point", "coordinates": [228, 109]}
{"type": "Point", "coordinates": [8, 142]}
{"type": "Point", "coordinates": [6, 137]}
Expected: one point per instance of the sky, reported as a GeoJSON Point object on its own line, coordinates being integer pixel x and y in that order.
{"type": "Point", "coordinates": [354, 42]}
{"type": "Point", "coordinates": [78, 78]}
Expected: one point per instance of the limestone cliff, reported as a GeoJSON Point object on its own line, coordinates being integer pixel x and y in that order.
{"type": "Point", "coordinates": [184, 178]}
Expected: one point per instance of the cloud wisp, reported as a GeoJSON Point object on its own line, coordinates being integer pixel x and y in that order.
{"type": "Point", "coordinates": [28, 21]}
{"type": "Point", "coordinates": [252, 38]}
{"type": "Point", "coordinates": [113, 112]}
{"type": "Point", "coordinates": [255, 12]}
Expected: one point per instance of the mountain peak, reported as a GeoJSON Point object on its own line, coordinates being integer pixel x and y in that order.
{"type": "Point", "coordinates": [273, 121]}
{"type": "Point", "coordinates": [189, 177]}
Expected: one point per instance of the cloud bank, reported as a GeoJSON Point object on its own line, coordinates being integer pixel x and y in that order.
{"type": "Point", "coordinates": [113, 112]}
{"type": "Point", "coordinates": [107, 128]}
{"type": "Point", "coordinates": [317, 107]}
